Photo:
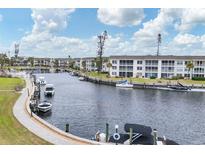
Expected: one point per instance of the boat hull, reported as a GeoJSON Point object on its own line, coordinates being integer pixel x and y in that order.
{"type": "Point", "coordinates": [44, 107]}
{"type": "Point", "coordinates": [124, 85]}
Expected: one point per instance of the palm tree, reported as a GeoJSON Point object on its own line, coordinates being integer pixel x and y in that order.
{"type": "Point", "coordinates": [31, 60]}
{"type": "Point", "coordinates": [84, 64]}
{"type": "Point", "coordinates": [98, 64]}
{"type": "Point", "coordinates": [109, 65]}
{"type": "Point", "coordinates": [93, 64]}
{"type": "Point", "coordinates": [190, 67]}
{"type": "Point", "coordinates": [56, 63]}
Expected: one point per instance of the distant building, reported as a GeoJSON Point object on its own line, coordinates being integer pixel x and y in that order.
{"type": "Point", "coordinates": [156, 66]}
{"type": "Point", "coordinates": [90, 64]}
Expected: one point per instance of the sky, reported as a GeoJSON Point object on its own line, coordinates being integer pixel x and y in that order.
{"type": "Point", "coordinates": [131, 31]}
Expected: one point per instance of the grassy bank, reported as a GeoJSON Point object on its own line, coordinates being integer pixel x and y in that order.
{"type": "Point", "coordinates": [11, 131]}
{"type": "Point", "coordinates": [104, 76]}
{"type": "Point", "coordinates": [11, 83]}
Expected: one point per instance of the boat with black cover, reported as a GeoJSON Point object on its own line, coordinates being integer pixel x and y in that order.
{"type": "Point", "coordinates": [141, 135]}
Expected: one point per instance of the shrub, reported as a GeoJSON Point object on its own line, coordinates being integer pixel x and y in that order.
{"type": "Point", "coordinates": [153, 77]}
{"type": "Point", "coordinates": [198, 78]}
{"type": "Point", "coordinates": [177, 77]}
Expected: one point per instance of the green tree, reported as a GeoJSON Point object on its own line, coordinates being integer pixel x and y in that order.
{"type": "Point", "coordinates": [93, 63]}
{"type": "Point", "coordinates": [105, 59]}
{"type": "Point", "coordinates": [190, 67]}
{"type": "Point", "coordinates": [71, 64]}
{"type": "Point", "coordinates": [109, 65]}
{"type": "Point", "coordinates": [56, 63]}
{"type": "Point", "coordinates": [3, 60]}
{"type": "Point", "coordinates": [31, 61]}
{"type": "Point", "coordinates": [98, 62]}
{"type": "Point", "coordinates": [84, 64]}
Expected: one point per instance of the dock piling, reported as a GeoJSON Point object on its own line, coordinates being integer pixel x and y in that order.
{"type": "Point", "coordinates": [131, 134]}
{"type": "Point", "coordinates": [155, 136]}
{"type": "Point", "coordinates": [107, 132]}
{"type": "Point", "coordinates": [67, 129]}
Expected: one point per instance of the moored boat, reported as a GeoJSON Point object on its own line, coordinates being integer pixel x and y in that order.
{"type": "Point", "coordinates": [49, 90]}
{"type": "Point", "coordinates": [44, 106]}
{"type": "Point", "coordinates": [41, 80]}
{"type": "Point", "coordinates": [124, 84]}
{"type": "Point", "coordinates": [135, 134]}
{"type": "Point", "coordinates": [81, 78]}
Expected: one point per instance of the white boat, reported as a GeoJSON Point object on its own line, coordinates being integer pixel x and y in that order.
{"type": "Point", "coordinates": [44, 106]}
{"type": "Point", "coordinates": [81, 78]}
{"type": "Point", "coordinates": [41, 81]}
{"type": "Point", "coordinates": [124, 84]}
{"type": "Point", "coordinates": [49, 90]}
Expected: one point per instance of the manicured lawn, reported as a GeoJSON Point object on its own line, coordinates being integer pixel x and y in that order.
{"type": "Point", "coordinates": [10, 83]}
{"type": "Point", "coordinates": [146, 80]}
{"type": "Point", "coordinates": [11, 131]}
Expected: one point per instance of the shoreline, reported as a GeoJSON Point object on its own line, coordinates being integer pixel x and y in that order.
{"type": "Point", "coordinates": [40, 127]}
{"type": "Point", "coordinates": [154, 86]}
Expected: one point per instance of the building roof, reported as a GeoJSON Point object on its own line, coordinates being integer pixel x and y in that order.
{"type": "Point", "coordinates": [156, 57]}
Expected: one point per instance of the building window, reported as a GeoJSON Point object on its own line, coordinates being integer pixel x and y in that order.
{"type": "Point", "coordinates": [179, 62]}
{"type": "Point", "coordinates": [167, 62]}
{"type": "Point", "coordinates": [148, 75]}
{"type": "Point", "coordinates": [167, 75]}
{"type": "Point", "coordinates": [126, 68]}
{"type": "Point", "coordinates": [139, 62]}
{"type": "Point", "coordinates": [114, 61]}
{"type": "Point", "coordinates": [180, 69]}
{"type": "Point", "coordinates": [139, 68]}
{"type": "Point", "coordinates": [126, 62]}
{"type": "Point", "coordinates": [151, 68]}
{"type": "Point", "coordinates": [114, 67]}
{"type": "Point", "coordinates": [114, 73]}
{"type": "Point", "coordinates": [179, 75]}
{"type": "Point", "coordinates": [126, 74]}
{"type": "Point", "coordinates": [151, 62]}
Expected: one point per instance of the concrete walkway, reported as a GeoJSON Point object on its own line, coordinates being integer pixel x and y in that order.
{"type": "Point", "coordinates": [38, 126]}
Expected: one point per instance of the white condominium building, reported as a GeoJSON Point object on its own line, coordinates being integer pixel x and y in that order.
{"type": "Point", "coordinates": [156, 66]}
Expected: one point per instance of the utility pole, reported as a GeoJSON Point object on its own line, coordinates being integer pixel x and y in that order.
{"type": "Point", "coordinates": [159, 40]}
{"type": "Point", "coordinates": [101, 43]}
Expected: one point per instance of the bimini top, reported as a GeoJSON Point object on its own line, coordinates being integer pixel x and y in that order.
{"type": "Point", "coordinates": [144, 130]}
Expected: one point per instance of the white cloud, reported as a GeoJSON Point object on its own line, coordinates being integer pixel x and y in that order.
{"type": "Point", "coordinates": [44, 41]}
{"type": "Point", "coordinates": [120, 17]}
{"type": "Point", "coordinates": [147, 35]}
{"type": "Point", "coordinates": [190, 18]}
{"type": "Point", "coordinates": [47, 44]}
{"type": "Point", "coordinates": [186, 39]}
{"type": "Point", "coordinates": [50, 20]}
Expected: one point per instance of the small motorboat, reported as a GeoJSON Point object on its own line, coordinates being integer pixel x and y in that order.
{"type": "Point", "coordinates": [41, 81]}
{"type": "Point", "coordinates": [49, 90]}
{"type": "Point", "coordinates": [44, 106]}
{"type": "Point", "coordinates": [81, 78]}
{"type": "Point", "coordinates": [124, 84]}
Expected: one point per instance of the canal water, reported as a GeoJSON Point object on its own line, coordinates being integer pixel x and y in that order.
{"type": "Point", "coordinates": [87, 107]}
